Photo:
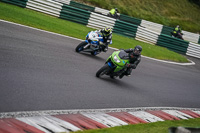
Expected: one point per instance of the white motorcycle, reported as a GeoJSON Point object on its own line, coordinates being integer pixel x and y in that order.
{"type": "Point", "coordinates": [92, 44]}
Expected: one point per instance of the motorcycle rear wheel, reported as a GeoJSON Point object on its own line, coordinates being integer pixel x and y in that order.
{"type": "Point", "coordinates": [104, 70]}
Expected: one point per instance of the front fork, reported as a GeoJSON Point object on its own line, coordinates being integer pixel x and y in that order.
{"type": "Point", "coordinates": [86, 46]}
{"type": "Point", "coordinates": [109, 59]}
{"type": "Point", "coordinates": [113, 67]}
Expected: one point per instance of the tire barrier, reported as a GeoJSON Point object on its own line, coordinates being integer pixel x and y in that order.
{"type": "Point", "coordinates": [75, 14]}
{"type": "Point", "coordinates": [82, 6]}
{"type": "Point", "coordinates": [193, 50]}
{"type": "Point", "coordinates": [49, 7]}
{"type": "Point", "coordinates": [124, 28]}
{"type": "Point", "coordinates": [129, 19]}
{"type": "Point", "coordinates": [63, 1]}
{"type": "Point", "coordinates": [146, 35]}
{"type": "Point", "coordinates": [21, 3]}
{"type": "Point", "coordinates": [98, 21]}
{"type": "Point", "coordinates": [101, 11]}
{"type": "Point", "coordinates": [167, 30]}
{"type": "Point", "coordinates": [190, 36]}
{"type": "Point", "coordinates": [97, 18]}
{"type": "Point", "coordinates": [173, 44]}
{"type": "Point", "coordinates": [152, 26]}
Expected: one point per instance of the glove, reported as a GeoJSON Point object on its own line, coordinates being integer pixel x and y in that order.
{"type": "Point", "coordinates": [133, 66]}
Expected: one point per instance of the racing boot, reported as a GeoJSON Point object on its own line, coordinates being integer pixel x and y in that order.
{"type": "Point", "coordinates": [128, 72]}
{"type": "Point", "coordinates": [121, 76]}
{"type": "Point", "coordinates": [105, 48]}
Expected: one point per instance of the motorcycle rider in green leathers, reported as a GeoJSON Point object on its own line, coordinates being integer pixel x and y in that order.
{"type": "Point", "coordinates": [134, 57]}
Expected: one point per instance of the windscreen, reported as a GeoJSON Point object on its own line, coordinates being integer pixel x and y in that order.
{"type": "Point", "coordinates": [123, 55]}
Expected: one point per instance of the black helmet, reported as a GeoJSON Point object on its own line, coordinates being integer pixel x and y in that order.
{"type": "Point", "coordinates": [137, 50]}
{"type": "Point", "coordinates": [107, 31]}
{"type": "Point", "coordinates": [116, 9]}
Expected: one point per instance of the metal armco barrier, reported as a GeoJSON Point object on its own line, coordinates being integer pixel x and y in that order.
{"type": "Point", "coordinates": [152, 26]}
{"type": "Point", "coordinates": [75, 14]}
{"type": "Point", "coordinates": [193, 50]}
{"type": "Point", "coordinates": [100, 10]}
{"type": "Point", "coordinates": [160, 29]}
{"type": "Point", "coordinates": [124, 28]}
{"type": "Point", "coordinates": [63, 1]}
{"type": "Point", "coordinates": [167, 30]}
{"type": "Point", "coordinates": [141, 30]}
{"type": "Point", "coordinates": [174, 44]}
{"type": "Point", "coordinates": [49, 7]}
{"type": "Point", "coordinates": [98, 21]}
{"type": "Point", "coordinates": [190, 36]}
{"type": "Point", "coordinates": [21, 3]}
{"type": "Point", "coordinates": [186, 35]}
{"type": "Point", "coordinates": [82, 6]}
{"type": "Point", "coordinates": [146, 35]}
{"type": "Point", "coordinates": [129, 19]}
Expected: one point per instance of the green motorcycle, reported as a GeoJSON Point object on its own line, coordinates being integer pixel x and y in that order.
{"type": "Point", "coordinates": [115, 65]}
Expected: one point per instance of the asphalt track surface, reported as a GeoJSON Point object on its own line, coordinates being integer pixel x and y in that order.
{"type": "Point", "coordinates": [42, 71]}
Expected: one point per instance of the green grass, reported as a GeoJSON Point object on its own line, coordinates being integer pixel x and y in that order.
{"type": "Point", "coordinates": [166, 12]}
{"type": "Point", "coordinates": [42, 21]}
{"type": "Point", "coordinates": [39, 20]}
{"type": "Point", "coordinates": [156, 127]}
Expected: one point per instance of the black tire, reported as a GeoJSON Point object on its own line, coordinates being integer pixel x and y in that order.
{"type": "Point", "coordinates": [80, 46]}
{"type": "Point", "coordinates": [103, 70]}
{"type": "Point", "coordinates": [94, 53]}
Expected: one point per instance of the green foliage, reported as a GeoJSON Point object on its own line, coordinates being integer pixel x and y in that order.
{"type": "Point", "coordinates": [42, 21]}
{"type": "Point", "coordinates": [166, 12]}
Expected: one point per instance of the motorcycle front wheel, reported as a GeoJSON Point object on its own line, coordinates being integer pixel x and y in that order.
{"type": "Point", "coordinates": [104, 70]}
{"type": "Point", "coordinates": [79, 48]}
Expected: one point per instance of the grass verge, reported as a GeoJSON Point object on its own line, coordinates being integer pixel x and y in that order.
{"type": "Point", "coordinates": [45, 22]}
{"type": "Point", "coordinates": [156, 127]}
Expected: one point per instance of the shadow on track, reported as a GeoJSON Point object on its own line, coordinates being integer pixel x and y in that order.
{"type": "Point", "coordinates": [117, 82]}
{"type": "Point", "coordinates": [92, 56]}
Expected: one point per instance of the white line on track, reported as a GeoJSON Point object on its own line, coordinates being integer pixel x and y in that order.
{"type": "Point", "coordinates": [191, 62]}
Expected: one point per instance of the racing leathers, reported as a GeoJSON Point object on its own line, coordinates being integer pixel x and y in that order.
{"type": "Point", "coordinates": [107, 39]}
{"type": "Point", "coordinates": [134, 60]}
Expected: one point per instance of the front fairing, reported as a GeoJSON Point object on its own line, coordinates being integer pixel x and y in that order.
{"type": "Point", "coordinates": [94, 41]}
{"type": "Point", "coordinates": [117, 61]}
{"type": "Point", "coordinates": [121, 63]}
